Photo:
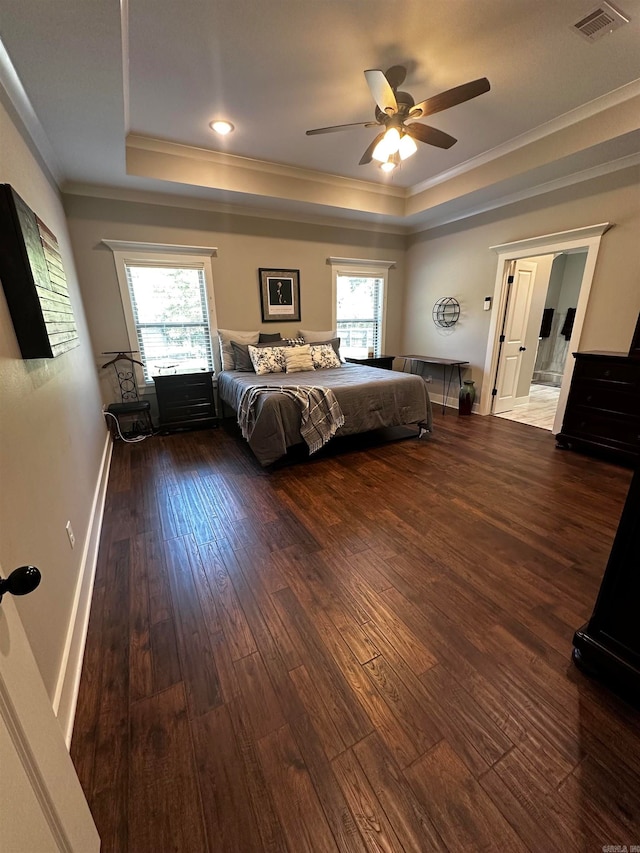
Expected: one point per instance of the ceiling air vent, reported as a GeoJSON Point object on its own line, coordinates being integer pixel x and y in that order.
{"type": "Point", "coordinates": [602, 20]}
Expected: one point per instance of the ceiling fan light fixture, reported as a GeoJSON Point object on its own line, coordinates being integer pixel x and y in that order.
{"type": "Point", "coordinates": [391, 163]}
{"type": "Point", "coordinates": [407, 146]}
{"type": "Point", "coordinates": [222, 127]}
{"type": "Point", "coordinates": [387, 146]}
{"type": "Point", "coordinates": [381, 151]}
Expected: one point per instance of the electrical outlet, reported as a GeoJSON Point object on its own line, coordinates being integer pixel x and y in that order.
{"type": "Point", "coordinates": [70, 534]}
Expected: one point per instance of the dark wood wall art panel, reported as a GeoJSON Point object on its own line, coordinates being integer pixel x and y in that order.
{"type": "Point", "coordinates": [33, 280]}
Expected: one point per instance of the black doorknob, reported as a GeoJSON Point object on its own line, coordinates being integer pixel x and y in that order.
{"type": "Point", "coordinates": [21, 581]}
{"type": "Point", "coordinates": [522, 349]}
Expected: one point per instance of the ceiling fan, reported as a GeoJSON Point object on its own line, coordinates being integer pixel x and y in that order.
{"type": "Point", "coordinates": [394, 109]}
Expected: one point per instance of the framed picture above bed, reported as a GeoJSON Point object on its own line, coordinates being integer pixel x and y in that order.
{"type": "Point", "coordinates": [279, 295]}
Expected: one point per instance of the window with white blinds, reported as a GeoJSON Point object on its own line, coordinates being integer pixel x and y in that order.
{"type": "Point", "coordinates": [359, 314]}
{"type": "Point", "coordinates": [171, 317]}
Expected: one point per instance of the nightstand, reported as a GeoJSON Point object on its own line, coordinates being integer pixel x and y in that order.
{"type": "Point", "coordinates": [186, 400]}
{"type": "Point", "coordinates": [383, 361]}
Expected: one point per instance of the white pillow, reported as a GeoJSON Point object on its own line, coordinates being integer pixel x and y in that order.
{"type": "Point", "coordinates": [225, 336]}
{"type": "Point", "coordinates": [298, 358]}
{"type": "Point", "coordinates": [268, 359]}
{"type": "Point", "coordinates": [324, 356]}
{"type": "Point", "coordinates": [317, 337]}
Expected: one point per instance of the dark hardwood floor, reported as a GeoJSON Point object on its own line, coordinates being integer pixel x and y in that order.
{"type": "Point", "coordinates": [369, 650]}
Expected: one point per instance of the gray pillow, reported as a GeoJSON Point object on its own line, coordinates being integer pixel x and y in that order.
{"type": "Point", "coordinates": [266, 338]}
{"type": "Point", "coordinates": [317, 337]}
{"type": "Point", "coordinates": [241, 355]}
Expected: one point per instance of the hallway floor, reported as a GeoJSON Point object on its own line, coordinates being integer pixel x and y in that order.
{"type": "Point", "coordinates": [540, 410]}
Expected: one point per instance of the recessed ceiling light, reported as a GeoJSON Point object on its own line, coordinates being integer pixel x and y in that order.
{"type": "Point", "coordinates": [221, 127]}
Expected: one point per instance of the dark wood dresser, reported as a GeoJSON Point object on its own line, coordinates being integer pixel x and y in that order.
{"type": "Point", "coordinates": [608, 646]}
{"type": "Point", "coordinates": [185, 400]}
{"type": "Point", "coordinates": [603, 407]}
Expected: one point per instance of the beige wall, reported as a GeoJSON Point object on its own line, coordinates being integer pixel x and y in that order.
{"type": "Point", "coordinates": [244, 244]}
{"type": "Point", "coordinates": [52, 434]}
{"type": "Point", "coordinates": [456, 260]}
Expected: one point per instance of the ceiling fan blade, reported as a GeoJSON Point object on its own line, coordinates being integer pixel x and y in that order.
{"type": "Point", "coordinates": [451, 98]}
{"type": "Point", "coordinates": [381, 91]}
{"type": "Point", "coordinates": [395, 75]}
{"type": "Point", "coordinates": [340, 127]}
{"type": "Point", "coordinates": [367, 157]}
{"type": "Point", "coordinates": [430, 135]}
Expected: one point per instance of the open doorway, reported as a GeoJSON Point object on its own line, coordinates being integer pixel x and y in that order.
{"type": "Point", "coordinates": [537, 327]}
{"type": "Point", "coordinates": [578, 239]}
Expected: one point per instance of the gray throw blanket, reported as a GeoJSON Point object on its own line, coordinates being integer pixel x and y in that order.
{"type": "Point", "coordinates": [321, 412]}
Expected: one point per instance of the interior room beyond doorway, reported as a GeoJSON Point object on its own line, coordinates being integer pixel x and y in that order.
{"type": "Point", "coordinates": [548, 311]}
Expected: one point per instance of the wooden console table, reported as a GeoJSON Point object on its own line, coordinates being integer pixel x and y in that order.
{"type": "Point", "coordinates": [445, 363]}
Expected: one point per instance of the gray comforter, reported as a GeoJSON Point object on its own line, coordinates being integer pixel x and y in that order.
{"type": "Point", "coordinates": [370, 398]}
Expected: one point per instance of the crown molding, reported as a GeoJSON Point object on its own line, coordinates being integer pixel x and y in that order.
{"type": "Point", "coordinates": [581, 113]}
{"type": "Point", "coordinates": [188, 202]}
{"type": "Point", "coordinates": [531, 192]}
{"type": "Point", "coordinates": [16, 93]}
{"type": "Point", "coordinates": [219, 158]}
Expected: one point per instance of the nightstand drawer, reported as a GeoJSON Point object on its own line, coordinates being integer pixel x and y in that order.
{"type": "Point", "coordinates": [175, 412]}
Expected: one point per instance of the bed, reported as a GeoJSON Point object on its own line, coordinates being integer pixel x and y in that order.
{"type": "Point", "coordinates": [370, 398]}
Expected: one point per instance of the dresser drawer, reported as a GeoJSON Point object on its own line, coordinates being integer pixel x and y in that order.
{"type": "Point", "coordinates": [605, 396]}
{"type": "Point", "coordinates": [602, 427]}
{"type": "Point", "coordinates": [616, 372]}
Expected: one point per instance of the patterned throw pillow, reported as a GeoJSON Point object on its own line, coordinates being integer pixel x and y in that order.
{"type": "Point", "coordinates": [268, 359]}
{"type": "Point", "coordinates": [298, 358]}
{"type": "Point", "coordinates": [293, 342]}
{"type": "Point", "coordinates": [335, 343]}
{"type": "Point", "coordinates": [324, 356]}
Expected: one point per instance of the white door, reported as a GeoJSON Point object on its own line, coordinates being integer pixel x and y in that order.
{"type": "Point", "coordinates": [512, 346]}
{"type": "Point", "coordinates": [42, 806]}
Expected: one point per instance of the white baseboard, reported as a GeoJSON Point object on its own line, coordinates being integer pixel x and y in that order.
{"type": "Point", "coordinates": [66, 695]}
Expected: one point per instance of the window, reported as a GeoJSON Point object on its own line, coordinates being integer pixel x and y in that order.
{"type": "Point", "coordinates": [171, 318]}
{"type": "Point", "coordinates": [168, 303]}
{"type": "Point", "coordinates": [360, 289]}
{"type": "Point", "coordinates": [359, 315]}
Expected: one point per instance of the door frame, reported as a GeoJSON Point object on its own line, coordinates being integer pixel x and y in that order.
{"type": "Point", "coordinates": [587, 238]}
{"type": "Point", "coordinates": [35, 734]}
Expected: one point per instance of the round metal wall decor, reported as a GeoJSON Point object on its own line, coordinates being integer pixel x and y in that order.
{"type": "Point", "coordinates": [446, 312]}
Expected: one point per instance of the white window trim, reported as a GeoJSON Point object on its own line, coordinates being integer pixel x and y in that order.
{"type": "Point", "coordinates": [199, 257]}
{"type": "Point", "coordinates": [365, 267]}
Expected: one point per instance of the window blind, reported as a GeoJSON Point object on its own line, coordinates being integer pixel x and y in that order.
{"type": "Point", "coordinates": [171, 317]}
{"type": "Point", "coordinates": [359, 314]}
